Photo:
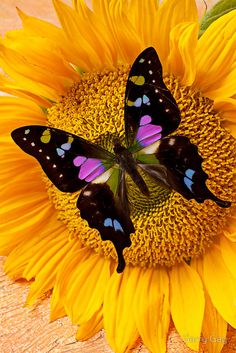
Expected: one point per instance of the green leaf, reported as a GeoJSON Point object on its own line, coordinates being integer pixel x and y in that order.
{"type": "Point", "coordinates": [220, 9]}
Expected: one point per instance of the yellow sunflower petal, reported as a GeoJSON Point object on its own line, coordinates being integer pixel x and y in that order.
{"type": "Point", "coordinates": [22, 228]}
{"type": "Point", "coordinates": [28, 76]}
{"type": "Point", "coordinates": [98, 36]}
{"type": "Point", "coordinates": [88, 329]}
{"type": "Point", "coordinates": [70, 265]}
{"type": "Point", "coordinates": [47, 250]}
{"type": "Point", "coordinates": [75, 255]}
{"type": "Point", "coordinates": [187, 296]}
{"type": "Point", "coordinates": [228, 250]}
{"type": "Point", "coordinates": [152, 311]}
{"type": "Point", "coordinates": [19, 257]}
{"type": "Point", "coordinates": [50, 58]}
{"type": "Point", "coordinates": [23, 250]}
{"type": "Point", "coordinates": [181, 60]}
{"type": "Point", "coordinates": [226, 87]}
{"type": "Point", "coordinates": [227, 110]}
{"type": "Point", "coordinates": [70, 21]}
{"type": "Point", "coordinates": [220, 284]}
{"type": "Point", "coordinates": [34, 26]}
{"type": "Point", "coordinates": [85, 289]}
{"type": "Point", "coordinates": [137, 10]}
{"type": "Point", "coordinates": [214, 327]}
{"type": "Point", "coordinates": [115, 16]}
{"type": "Point", "coordinates": [7, 86]}
{"type": "Point", "coordinates": [17, 112]}
{"type": "Point", "coordinates": [230, 229]}
{"type": "Point", "coordinates": [45, 276]}
{"type": "Point", "coordinates": [22, 208]}
{"type": "Point", "coordinates": [215, 53]}
{"type": "Point", "coordinates": [118, 310]}
{"type": "Point", "coordinates": [170, 14]}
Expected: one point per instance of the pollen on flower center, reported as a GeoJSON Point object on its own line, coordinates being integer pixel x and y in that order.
{"type": "Point", "coordinates": [169, 229]}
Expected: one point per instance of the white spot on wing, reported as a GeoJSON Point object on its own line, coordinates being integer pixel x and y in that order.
{"type": "Point", "coordinates": [160, 100]}
{"type": "Point", "coordinates": [103, 177]}
{"type": "Point", "coordinates": [48, 157]}
{"type": "Point", "coordinates": [172, 142]}
{"type": "Point", "coordinates": [150, 149]}
{"type": "Point", "coordinates": [27, 131]}
{"type": "Point", "coordinates": [40, 150]}
{"type": "Point", "coordinates": [32, 144]}
{"type": "Point", "coordinates": [87, 193]}
{"type": "Point", "coordinates": [24, 138]}
{"type": "Point", "coordinates": [150, 72]}
{"type": "Point", "coordinates": [149, 61]}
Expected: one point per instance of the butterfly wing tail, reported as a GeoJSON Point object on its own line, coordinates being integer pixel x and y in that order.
{"type": "Point", "coordinates": [100, 208]}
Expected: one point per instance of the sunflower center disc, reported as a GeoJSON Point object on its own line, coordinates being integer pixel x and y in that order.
{"type": "Point", "coordinates": [169, 229]}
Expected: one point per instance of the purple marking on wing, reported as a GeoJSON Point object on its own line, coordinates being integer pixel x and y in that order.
{"type": "Point", "coordinates": [88, 167]}
{"type": "Point", "coordinates": [147, 131]}
{"type": "Point", "coordinates": [95, 173]}
{"type": "Point", "coordinates": [149, 140]}
{"type": "Point", "coordinates": [146, 119]}
{"type": "Point", "coordinates": [79, 160]}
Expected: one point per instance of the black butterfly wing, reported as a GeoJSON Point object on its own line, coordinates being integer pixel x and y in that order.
{"type": "Point", "coordinates": [107, 211]}
{"type": "Point", "coordinates": [69, 161]}
{"type": "Point", "coordinates": [184, 170]}
{"type": "Point", "coordinates": [151, 111]}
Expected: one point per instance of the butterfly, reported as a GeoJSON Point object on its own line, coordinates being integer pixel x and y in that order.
{"type": "Point", "coordinates": [73, 163]}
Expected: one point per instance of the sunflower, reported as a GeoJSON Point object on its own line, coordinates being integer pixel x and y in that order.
{"type": "Point", "coordinates": [181, 265]}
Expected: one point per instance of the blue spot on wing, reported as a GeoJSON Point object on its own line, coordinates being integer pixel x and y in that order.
{"type": "Point", "coordinates": [60, 152]}
{"type": "Point", "coordinates": [189, 173]}
{"type": "Point", "coordinates": [118, 226]}
{"type": "Point", "coordinates": [146, 100]}
{"type": "Point", "coordinates": [188, 183]}
{"type": "Point", "coordinates": [108, 222]}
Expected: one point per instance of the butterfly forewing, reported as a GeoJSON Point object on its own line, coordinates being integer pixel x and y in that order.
{"type": "Point", "coordinates": [69, 161]}
{"type": "Point", "coordinates": [151, 111]}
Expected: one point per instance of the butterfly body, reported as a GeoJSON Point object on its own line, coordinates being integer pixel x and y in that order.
{"type": "Point", "coordinates": [128, 164]}
{"type": "Point", "coordinates": [73, 163]}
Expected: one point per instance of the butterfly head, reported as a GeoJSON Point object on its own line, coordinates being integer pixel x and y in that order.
{"type": "Point", "coordinates": [118, 148]}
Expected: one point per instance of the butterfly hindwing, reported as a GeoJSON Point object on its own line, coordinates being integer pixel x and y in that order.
{"type": "Point", "coordinates": [101, 208]}
{"type": "Point", "coordinates": [151, 111]}
{"type": "Point", "coordinates": [69, 161]}
{"type": "Point", "coordinates": [184, 170]}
